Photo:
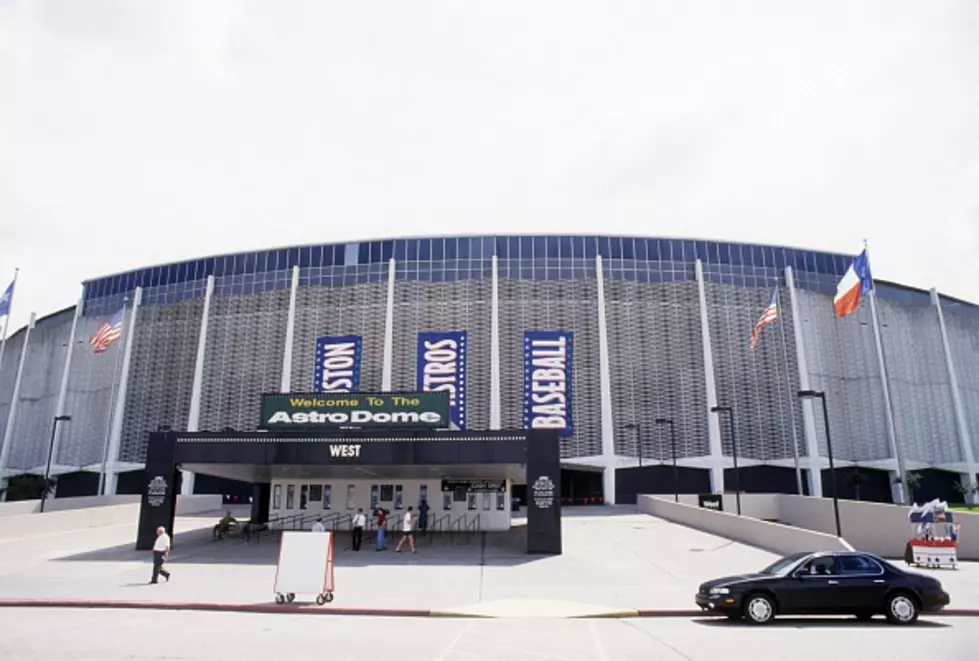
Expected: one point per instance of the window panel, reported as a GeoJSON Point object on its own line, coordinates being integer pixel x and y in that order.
{"type": "Point", "coordinates": [615, 247]}
{"type": "Point", "coordinates": [702, 253]}
{"type": "Point", "coordinates": [438, 250]}
{"type": "Point", "coordinates": [591, 247]}
{"type": "Point", "coordinates": [387, 251]}
{"type": "Point", "coordinates": [425, 250]}
{"type": "Point", "coordinates": [363, 253]}
{"type": "Point", "coordinates": [413, 250]}
{"type": "Point", "coordinates": [526, 247]}
{"type": "Point", "coordinates": [540, 247]}
{"type": "Point", "coordinates": [293, 257]}
{"type": "Point", "coordinates": [489, 245]}
{"type": "Point", "coordinates": [339, 255]}
{"type": "Point", "coordinates": [462, 250]}
{"type": "Point", "coordinates": [401, 250]}
{"type": "Point", "coordinates": [604, 247]}
{"type": "Point", "coordinates": [502, 247]}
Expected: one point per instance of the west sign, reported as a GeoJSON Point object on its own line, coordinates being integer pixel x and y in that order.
{"type": "Point", "coordinates": [321, 410]}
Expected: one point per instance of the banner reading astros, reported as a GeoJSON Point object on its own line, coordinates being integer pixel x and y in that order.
{"type": "Point", "coordinates": [547, 380]}
{"type": "Point", "coordinates": [442, 368]}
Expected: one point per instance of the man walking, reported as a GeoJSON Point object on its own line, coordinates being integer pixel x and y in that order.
{"type": "Point", "coordinates": [161, 549]}
{"type": "Point", "coordinates": [359, 522]}
{"type": "Point", "coordinates": [406, 533]}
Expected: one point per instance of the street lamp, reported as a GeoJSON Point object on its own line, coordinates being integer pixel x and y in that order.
{"type": "Point", "coordinates": [676, 473]}
{"type": "Point", "coordinates": [734, 451]}
{"type": "Point", "coordinates": [47, 469]}
{"type": "Point", "coordinates": [638, 429]}
{"type": "Point", "coordinates": [821, 396]}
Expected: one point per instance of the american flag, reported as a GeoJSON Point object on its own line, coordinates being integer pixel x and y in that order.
{"type": "Point", "coordinates": [769, 316]}
{"type": "Point", "coordinates": [109, 333]}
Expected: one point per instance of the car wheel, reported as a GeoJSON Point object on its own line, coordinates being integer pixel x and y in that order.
{"type": "Point", "coordinates": [902, 608]}
{"type": "Point", "coordinates": [759, 609]}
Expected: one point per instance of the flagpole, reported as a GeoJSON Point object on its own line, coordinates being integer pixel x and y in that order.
{"type": "Point", "coordinates": [885, 382]}
{"type": "Point", "coordinates": [788, 383]}
{"type": "Point", "coordinates": [112, 407]}
{"type": "Point", "coordinates": [6, 320]}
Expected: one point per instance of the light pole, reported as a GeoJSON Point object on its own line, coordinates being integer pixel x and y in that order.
{"type": "Point", "coordinates": [734, 451]}
{"type": "Point", "coordinates": [676, 473]}
{"type": "Point", "coordinates": [821, 396]}
{"type": "Point", "coordinates": [47, 468]}
{"type": "Point", "coordinates": [638, 428]}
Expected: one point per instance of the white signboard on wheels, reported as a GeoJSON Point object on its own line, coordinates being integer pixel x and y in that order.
{"type": "Point", "coordinates": [305, 566]}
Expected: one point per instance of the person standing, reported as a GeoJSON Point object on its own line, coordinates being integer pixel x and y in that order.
{"type": "Point", "coordinates": [318, 526]}
{"type": "Point", "coordinates": [359, 521]}
{"type": "Point", "coordinates": [382, 522]}
{"type": "Point", "coordinates": [423, 516]}
{"type": "Point", "coordinates": [406, 533]}
{"type": "Point", "coordinates": [161, 550]}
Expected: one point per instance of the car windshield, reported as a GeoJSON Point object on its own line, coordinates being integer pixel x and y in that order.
{"type": "Point", "coordinates": [781, 566]}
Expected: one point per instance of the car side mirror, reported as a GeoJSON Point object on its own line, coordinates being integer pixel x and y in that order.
{"type": "Point", "coordinates": [798, 574]}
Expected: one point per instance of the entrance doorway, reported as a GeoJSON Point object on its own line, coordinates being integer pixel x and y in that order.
{"type": "Point", "coordinates": [581, 487]}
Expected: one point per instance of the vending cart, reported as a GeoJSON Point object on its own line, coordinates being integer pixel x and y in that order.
{"type": "Point", "coordinates": [934, 542]}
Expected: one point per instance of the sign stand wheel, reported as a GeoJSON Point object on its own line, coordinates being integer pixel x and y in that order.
{"type": "Point", "coordinates": [324, 598]}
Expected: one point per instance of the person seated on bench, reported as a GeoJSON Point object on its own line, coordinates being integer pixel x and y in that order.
{"type": "Point", "coordinates": [224, 526]}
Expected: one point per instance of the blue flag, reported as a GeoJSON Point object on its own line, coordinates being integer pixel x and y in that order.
{"type": "Point", "coordinates": [8, 294]}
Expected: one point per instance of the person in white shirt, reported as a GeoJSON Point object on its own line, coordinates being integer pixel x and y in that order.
{"type": "Point", "coordinates": [318, 526]}
{"type": "Point", "coordinates": [358, 523]}
{"type": "Point", "coordinates": [161, 550]}
{"type": "Point", "coordinates": [406, 528]}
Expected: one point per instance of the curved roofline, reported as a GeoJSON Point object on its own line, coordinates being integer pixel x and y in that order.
{"type": "Point", "coordinates": [411, 237]}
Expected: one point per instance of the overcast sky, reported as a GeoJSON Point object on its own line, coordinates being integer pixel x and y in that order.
{"type": "Point", "coordinates": [134, 133]}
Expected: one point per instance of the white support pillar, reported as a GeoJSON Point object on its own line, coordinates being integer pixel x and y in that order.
{"type": "Point", "coordinates": [605, 381]}
{"type": "Point", "coordinates": [961, 424]}
{"type": "Point", "coordinates": [8, 432]}
{"type": "Point", "coordinates": [286, 383]}
{"type": "Point", "coordinates": [387, 368]}
{"type": "Point", "coordinates": [814, 461]}
{"type": "Point", "coordinates": [496, 411]}
{"type": "Point", "coordinates": [111, 476]}
{"type": "Point", "coordinates": [899, 488]}
{"type": "Point", "coordinates": [194, 416]}
{"type": "Point", "coordinates": [59, 408]}
{"type": "Point", "coordinates": [710, 387]}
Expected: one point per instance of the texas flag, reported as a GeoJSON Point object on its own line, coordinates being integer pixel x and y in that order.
{"type": "Point", "coordinates": [853, 286]}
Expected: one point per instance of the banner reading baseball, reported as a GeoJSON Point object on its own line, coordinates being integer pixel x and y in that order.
{"type": "Point", "coordinates": [442, 368]}
{"type": "Point", "coordinates": [338, 364]}
{"type": "Point", "coordinates": [548, 358]}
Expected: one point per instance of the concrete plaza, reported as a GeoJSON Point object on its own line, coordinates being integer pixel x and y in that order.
{"type": "Point", "coordinates": [614, 560]}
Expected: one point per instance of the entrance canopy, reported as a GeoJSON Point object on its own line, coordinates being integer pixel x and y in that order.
{"type": "Point", "coordinates": [530, 456]}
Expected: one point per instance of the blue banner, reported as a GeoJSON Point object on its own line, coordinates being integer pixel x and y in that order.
{"type": "Point", "coordinates": [547, 360]}
{"type": "Point", "coordinates": [442, 367]}
{"type": "Point", "coordinates": [338, 364]}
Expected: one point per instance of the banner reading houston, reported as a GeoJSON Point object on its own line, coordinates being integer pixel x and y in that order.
{"type": "Point", "coordinates": [338, 364]}
{"type": "Point", "coordinates": [548, 357]}
{"type": "Point", "coordinates": [442, 368]}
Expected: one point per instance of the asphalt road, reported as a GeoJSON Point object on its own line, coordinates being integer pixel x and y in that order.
{"type": "Point", "coordinates": [83, 635]}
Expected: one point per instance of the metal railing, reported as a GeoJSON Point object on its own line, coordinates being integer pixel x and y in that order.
{"type": "Point", "coordinates": [438, 524]}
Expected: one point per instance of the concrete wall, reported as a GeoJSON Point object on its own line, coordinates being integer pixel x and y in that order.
{"type": "Point", "coordinates": [28, 525]}
{"type": "Point", "coordinates": [763, 506]}
{"type": "Point", "coordinates": [762, 534]}
{"type": "Point", "coordinates": [62, 504]}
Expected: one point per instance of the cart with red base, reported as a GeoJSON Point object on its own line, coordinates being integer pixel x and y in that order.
{"type": "Point", "coordinates": [935, 541]}
{"type": "Point", "coordinates": [305, 567]}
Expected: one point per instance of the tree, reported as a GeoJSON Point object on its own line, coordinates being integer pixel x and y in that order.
{"type": "Point", "coordinates": [914, 483]}
{"type": "Point", "coordinates": [856, 480]}
{"type": "Point", "coordinates": [968, 493]}
{"type": "Point", "coordinates": [29, 487]}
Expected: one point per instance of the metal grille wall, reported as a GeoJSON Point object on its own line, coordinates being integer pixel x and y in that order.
{"type": "Point", "coordinates": [90, 395]}
{"type": "Point", "coordinates": [921, 394]}
{"type": "Point", "coordinates": [323, 311]}
{"type": "Point", "coordinates": [963, 341]}
{"type": "Point", "coordinates": [657, 367]}
{"type": "Point", "coordinates": [760, 385]}
{"type": "Point", "coordinates": [161, 373]}
{"type": "Point", "coordinates": [843, 363]}
{"type": "Point", "coordinates": [8, 374]}
{"type": "Point", "coordinates": [245, 343]}
{"type": "Point", "coordinates": [571, 305]}
{"type": "Point", "coordinates": [421, 307]}
{"type": "Point", "coordinates": [39, 391]}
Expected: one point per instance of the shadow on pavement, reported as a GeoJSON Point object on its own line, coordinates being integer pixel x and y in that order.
{"type": "Point", "coordinates": [822, 623]}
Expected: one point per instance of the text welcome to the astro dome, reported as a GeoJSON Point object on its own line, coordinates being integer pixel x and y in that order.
{"type": "Point", "coordinates": [387, 410]}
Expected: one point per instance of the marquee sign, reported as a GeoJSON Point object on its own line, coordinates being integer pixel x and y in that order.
{"type": "Point", "coordinates": [442, 368]}
{"type": "Point", "coordinates": [338, 364]}
{"type": "Point", "coordinates": [547, 380]}
{"type": "Point", "coordinates": [308, 411]}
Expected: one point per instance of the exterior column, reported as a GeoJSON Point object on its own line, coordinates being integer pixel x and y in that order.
{"type": "Point", "coordinates": [814, 460]}
{"type": "Point", "coordinates": [899, 487]}
{"type": "Point", "coordinates": [111, 476]}
{"type": "Point", "coordinates": [387, 368]}
{"type": "Point", "coordinates": [496, 412]}
{"type": "Point", "coordinates": [194, 416]}
{"type": "Point", "coordinates": [605, 380]}
{"type": "Point", "coordinates": [59, 408]}
{"type": "Point", "coordinates": [710, 387]}
{"type": "Point", "coordinates": [286, 383]}
{"type": "Point", "coordinates": [8, 433]}
{"type": "Point", "coordinates": [965, 440]}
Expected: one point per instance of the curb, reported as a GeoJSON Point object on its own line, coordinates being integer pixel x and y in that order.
{"type": "Point", "coordinates": [291, 609]}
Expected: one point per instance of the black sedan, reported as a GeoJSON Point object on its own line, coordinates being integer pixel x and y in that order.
{"type": "Point", "coordinates": [836, 583]}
